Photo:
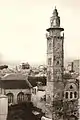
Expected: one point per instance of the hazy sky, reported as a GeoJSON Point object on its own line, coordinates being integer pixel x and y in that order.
{"type": "Point", "coordinates": [23, 25]}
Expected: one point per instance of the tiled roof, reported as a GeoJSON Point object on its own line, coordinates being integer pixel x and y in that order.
{"type": "Point", "coordinates": [15, 81]}
{"type": "Point", "coordinates": [14, 76]}
{"type": "Point", "coordinates": [35, 80]}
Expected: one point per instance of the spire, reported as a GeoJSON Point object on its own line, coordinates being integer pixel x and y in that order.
{"type": "Point", "coordinates": [55, 13]}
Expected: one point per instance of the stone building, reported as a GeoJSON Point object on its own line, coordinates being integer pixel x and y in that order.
{"type": "Point", "coordinates": [61, 95]}
{"type": "Point", "coordinates": [38, 97]}
{"type": "Point", "coordinates": [76, 66]}
{"type": "Point", "coordinates": [17, 87]}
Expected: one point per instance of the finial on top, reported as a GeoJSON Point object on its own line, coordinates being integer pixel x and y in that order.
{"type": "Point", "coordinates": [55, 12]}
{"type": "Point", "coordinates": [55, 7]}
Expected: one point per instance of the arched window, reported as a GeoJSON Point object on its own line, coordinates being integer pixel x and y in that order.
{"type": "Point", "coordinates": [71, 95]}
{"type": "Point", "coordinates": [66, 95]}
{"type": "Point", "coordinates": [57, 62]}
{"type": "Point", "coordinates": [71, 87]}
{"type": "Point", "coordinates": [75, 94]}
{"type": "Point", "coordinates": [10, 97]}
{"type": "Point", "coordinates": [34, 91]}
{"type": "Point", "coordinates": [20, 97]}
{"type": "Point", "coordinates": [29, 97]}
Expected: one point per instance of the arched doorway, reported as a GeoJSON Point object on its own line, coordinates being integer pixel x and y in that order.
{"type": "Point", "coordinates": [10, 97]}
{"type": "Point", "coordinates": [20, 97]}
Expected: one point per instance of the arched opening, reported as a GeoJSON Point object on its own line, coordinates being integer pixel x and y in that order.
{"type": "Point", "coordinates": [66, 95]}
{"type": "Point", "coordinates": [10, 97]}
{"type": "Point", "coordinates": [28, 97]}
{"type": "Point", "coordinates": [20, 97]}
{"type": "Point", "coordinates": [71, 87]}
{"type": "Point", "coordinates": [57, 62]}
{"type": "Point", "coordinates": [75, 94]}
{"type": "Point", "coordinates": [49, 61]}
{"type": "Point", "coordinates": [34, 91]}
{"type": "Point", "coordinates": [71, 95]}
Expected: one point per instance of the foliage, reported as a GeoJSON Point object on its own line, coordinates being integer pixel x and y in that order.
{"type": "Point", "coordinates": [3, 66]}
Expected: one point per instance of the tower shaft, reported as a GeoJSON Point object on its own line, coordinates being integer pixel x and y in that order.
{"type": "Point", "coordinates": [55, 62]}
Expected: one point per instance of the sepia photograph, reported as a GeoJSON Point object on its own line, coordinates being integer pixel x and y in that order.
{"type": "Point", "coordinates": [39, 59]}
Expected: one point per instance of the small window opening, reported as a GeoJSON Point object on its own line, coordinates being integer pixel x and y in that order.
{"type": "Point", "coordinates": [75, 94]}
{"type": "Point", "coordinates": [54, 58]}
{"type": "Point", "coordinates": [57, 62]}
{"type": "Point", "coordinates": [71, 94]}
{"type": "Point", "coordinates": [49, 61]}
{"type": "Point", "coordinates": [71, 87]}
{"type": "Point", "coordinates": [66, 95]}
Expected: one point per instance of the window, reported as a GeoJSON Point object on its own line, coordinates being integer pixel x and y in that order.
{"type": "Point", "coordinates": [10, 97]}
{"type": "Point", "coordinates": [20, 97]}
{"type": "Point", "coordinates": [66, 95]}
{"type": "Point", "coordinates": [71, 87]}
{"type": "Point", "coordinates": [54, 58]}
{"type": "Point", "coordinates": [75, 94]}
{"type": "Point", "coordinates": [49, 75]}
{"type": "Point", "coordinates": [28, 97]}
{"type": "Point", "coordinates": [34, 91]}
{"type": "Point", "coordinates": [49, 61]}
{"type": "Point", "coordinates": [71, 94]}
{"type": "Point", "coordinates": [57, 62]}
{"type": "Point", "coordinates": [54, 22]}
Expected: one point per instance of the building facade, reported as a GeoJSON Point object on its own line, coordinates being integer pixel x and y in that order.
{"type": "Point", "coordinates": [61, 96]}
{"type": "Point", "coordinates": [16, 87]}
{"type": "Point", "coordinates": [76, 66]}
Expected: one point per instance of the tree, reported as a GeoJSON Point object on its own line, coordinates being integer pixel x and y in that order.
{"type": "Point", "coordinates": [3, 67]}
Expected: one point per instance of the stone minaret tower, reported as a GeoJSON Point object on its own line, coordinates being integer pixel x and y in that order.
{"type": "Point", "coordinates": [55, 58]}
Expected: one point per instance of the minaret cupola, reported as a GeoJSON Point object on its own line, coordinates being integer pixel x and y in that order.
{"type": "Point", "coordinates": [55, 19]}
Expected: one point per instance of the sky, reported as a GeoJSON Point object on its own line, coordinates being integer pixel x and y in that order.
{"type": "Point", "coordinates": [23, 25]}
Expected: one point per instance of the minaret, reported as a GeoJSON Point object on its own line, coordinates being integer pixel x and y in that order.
{"type": "Point", "coordinates": [55, 58]}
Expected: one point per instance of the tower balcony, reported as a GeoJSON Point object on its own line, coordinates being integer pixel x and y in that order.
{"type": "Point", "coordinates": [48, 36]}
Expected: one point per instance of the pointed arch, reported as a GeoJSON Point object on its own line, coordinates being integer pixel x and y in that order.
{"type": "Point", "coordinates": [10, 97]}
{"type": "Point", "coordinates": [20, 97]}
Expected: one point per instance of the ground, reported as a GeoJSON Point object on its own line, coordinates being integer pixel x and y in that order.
{"type": "Point", "coordinates": [22, 111]}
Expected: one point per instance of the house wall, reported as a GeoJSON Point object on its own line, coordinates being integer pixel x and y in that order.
{"type": "Point", "coordinates": [37, 98]}
{"type": "Point", "coordinates": [15, 92]}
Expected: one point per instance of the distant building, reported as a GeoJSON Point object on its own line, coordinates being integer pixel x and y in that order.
{"type": "Point", "coordinates": [38, 97]}
{"type": "Point", "coordinates": [17, 87]}
{"type": "Point", "coordinates": [76, 66]}
{"type": "Point", "coordinates": [70, 67]}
